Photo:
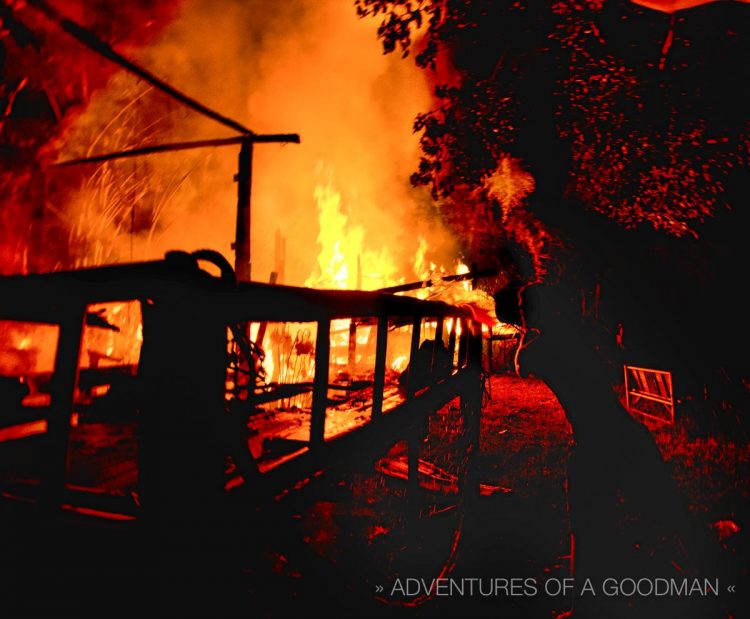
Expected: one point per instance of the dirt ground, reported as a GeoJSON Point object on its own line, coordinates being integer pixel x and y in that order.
{"type": "Point", "coordinates": [352, 536]}
{"type": "Point", "coordinates": [525, 443]}
{"type": "Point", "coordinates": [520, 528]}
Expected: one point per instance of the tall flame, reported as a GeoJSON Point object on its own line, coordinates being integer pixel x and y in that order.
{"type": "Point", "coordinates": [344, 261]}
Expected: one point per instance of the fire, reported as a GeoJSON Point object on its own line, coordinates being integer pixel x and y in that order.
{"type": "Point", "coordinates": [462, 269]}
{"type": "Point", "coordinates": [344, 262]}
{"type": "Point", "coordinates": [370, 232]}
{"type": "Point", "coordinates": [115, 337]}
{"type": "Point", "coordinates": [421, 267]}
{"type": "Point", "coordinates": [27, 348]}
{"type": "Point", "coordinates": [370, 229]}
{"type": "Point", "coordinates": [289, 79]}
{"type": "Point", "coordinates": [268, 362]}
{"type": "Point", "coordinates": [399, 363]}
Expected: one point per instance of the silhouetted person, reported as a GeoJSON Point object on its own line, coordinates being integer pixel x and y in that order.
{"type": "Point", "coordinates": [626, 517]}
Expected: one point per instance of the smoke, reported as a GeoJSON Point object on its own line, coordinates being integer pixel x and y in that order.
{"type": "Point", "coordinates": [296, 66]}
{"type": "Point", "coordinates": [46, 80]}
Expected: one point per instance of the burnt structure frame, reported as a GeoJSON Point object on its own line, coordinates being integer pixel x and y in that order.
{"type": "Point", "coordinates": [185, 314]}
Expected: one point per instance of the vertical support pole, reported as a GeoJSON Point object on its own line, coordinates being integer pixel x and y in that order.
{"type": "Point", "coordinates": [244, 178]}
{"type": "Point", "coordinates": [381, 346]}
{"type": "Point", "coordinates": [181, 470]}
{"type": "Point", "coordinates": [320, 385]}
{"type": "Point", "coordinates": [452, 339]}
{"type": "Point", "coordinates": [58, 419]}
{"type": "Point", "coordinates": [352, 356]}
{"type": "Point", "coordinates": [440, 329]}
{"type": "Point", "coordinates": [415, 435]}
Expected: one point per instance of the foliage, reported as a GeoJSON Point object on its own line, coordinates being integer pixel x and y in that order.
{"type": "Point", "coordinates": [630, 112]}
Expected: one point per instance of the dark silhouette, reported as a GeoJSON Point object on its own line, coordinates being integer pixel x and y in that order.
{"type": "Point", "coordinates": [575, 93]}
{"type": "Point", "coordinates": [627, 519]}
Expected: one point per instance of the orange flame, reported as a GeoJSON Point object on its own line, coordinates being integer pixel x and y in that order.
{"type": "Point", "coordinates": [344, 262]}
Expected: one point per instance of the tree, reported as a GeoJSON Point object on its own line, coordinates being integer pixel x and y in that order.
{"type": "Point", "coordinates": [602, 149]}
{"type": "Point", "coordinates": [565, 129]}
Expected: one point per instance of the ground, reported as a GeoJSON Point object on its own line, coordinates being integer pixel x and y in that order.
{"type": "Point", "coordinates": [346, 539]}
{"type": "Point", "coordinates": [523, 532]}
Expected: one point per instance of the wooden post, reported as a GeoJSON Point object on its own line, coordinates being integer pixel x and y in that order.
{"type": "Point", "coordinates": [352, 356]}
{"type": "Point", "coordinates": [58, 419]}
{"type": "Point", "coordinates": [320, 385]}
{"type": "Point", "coordinates": [378, 385]}
{"type": "Point", "coordinates": [244, 178]}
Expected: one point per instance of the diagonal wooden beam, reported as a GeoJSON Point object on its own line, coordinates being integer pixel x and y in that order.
{"type": "Point", "coordinates": [93, 42]}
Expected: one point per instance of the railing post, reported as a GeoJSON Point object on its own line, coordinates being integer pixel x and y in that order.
{"type": "Point", "coordinates": [414, 438]}
{"type": "Point", "coordinates": [452, 339]}
{"type": "Point", "coordinates": [416, 332]}
{"type": "Point", "coordinates": [58, 419]}
{"type": "Point", "coordinates": [378, 383]}
{"type": "Point", "coordinates": [320, 384]}
{"type": "Point", "coordinates": [352, 348]}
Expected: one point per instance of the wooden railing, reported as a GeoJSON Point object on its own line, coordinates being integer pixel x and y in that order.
{"type": "Point", "coordinates": [181, 375]}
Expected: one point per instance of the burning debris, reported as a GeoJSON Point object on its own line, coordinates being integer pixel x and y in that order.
{"type": "Point", "coordinates": [135, 209]}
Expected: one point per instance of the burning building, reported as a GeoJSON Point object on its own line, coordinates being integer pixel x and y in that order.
{"type": "Point", "coordinates": [179, 423]}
